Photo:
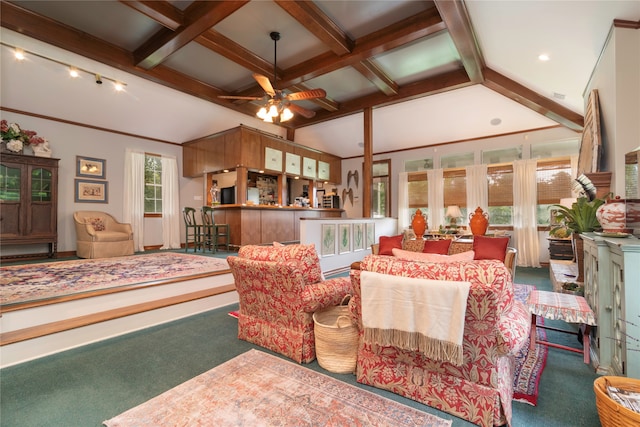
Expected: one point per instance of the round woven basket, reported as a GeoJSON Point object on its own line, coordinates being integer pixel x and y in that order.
{"type": "Point", "coordinates": [611, 413]}
{"type": "Point", "coordinates": [336, 339]}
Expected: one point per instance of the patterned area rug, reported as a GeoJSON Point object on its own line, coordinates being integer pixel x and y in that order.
{"type": "Point", "coordinates": [31, 282]}
{"type": "Point", "coordinates": [529, 364]}
{"type": "Point", "coordinates": [258, 389]}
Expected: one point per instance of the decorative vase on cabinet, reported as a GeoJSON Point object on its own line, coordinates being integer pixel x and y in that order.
{"type": "Point", "coordinates": [479, 221]}
{"type": "Point", "coordinates": [419, 223]}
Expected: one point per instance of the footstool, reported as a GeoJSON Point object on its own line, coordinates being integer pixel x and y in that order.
{"type": "Point", "coordinates": [567, 307]}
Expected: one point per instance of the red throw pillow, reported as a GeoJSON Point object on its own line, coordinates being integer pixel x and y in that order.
{"type": "Point", "coordinates": [437, 246]}
{"type": "Point", "coordinates": [387, 243]}
{"type": "Point", "coordinates": [490, 247]}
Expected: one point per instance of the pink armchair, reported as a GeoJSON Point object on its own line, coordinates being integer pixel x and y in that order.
{"type": "Point", "coordinates": [280, 288]}
{"type": "Point", "coordinates": [496, 326]}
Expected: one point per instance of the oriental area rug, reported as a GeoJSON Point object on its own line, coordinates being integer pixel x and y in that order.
{"type": "Point", "coordinates": [32, 282]}
{"type": "Point", "coordinates": [529, 363]}
{"type": "Point", "coordinates": [258, 389]}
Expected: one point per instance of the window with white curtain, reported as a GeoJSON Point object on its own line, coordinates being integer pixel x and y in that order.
{"type": "Point", "coordinates": [152, 184]}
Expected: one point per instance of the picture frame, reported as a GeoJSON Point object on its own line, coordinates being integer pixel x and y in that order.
{"type": "Point", "coordinates": [344, 238]}
{"type": "Point", "coordinates": [90, 167]}
{"type": "Point", "coordinates": [358, 236]}
{"type": "Point", "coordinates": [371, 234]}
{"type": "Point", "coordinates": [91, 191]}
{"type": "Point", "coordinates": [328, 240]}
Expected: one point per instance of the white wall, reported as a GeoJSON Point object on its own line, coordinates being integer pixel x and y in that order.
{"type": "Point", "coordinates": [67, 142]}
{"type": "Point", "coordinates": [617, 79]}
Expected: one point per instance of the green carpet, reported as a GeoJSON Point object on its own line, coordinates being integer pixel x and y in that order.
{"type": "Point", "coordinates": [84, 387]}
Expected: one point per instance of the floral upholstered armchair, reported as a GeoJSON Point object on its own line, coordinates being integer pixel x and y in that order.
{"type": "Point", "coordinates": [280, 287]}
{"type": "Point", "coordinates": [496, 326]}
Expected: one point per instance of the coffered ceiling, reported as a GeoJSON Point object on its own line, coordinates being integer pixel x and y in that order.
{"type": "Point", "coordinates": [434, 62]}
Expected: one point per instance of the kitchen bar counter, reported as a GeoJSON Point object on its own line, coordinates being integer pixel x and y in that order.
{"type": "Point", "coordinates": [260, 224]}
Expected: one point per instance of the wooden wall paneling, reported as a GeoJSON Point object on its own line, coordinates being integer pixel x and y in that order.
{"type": "Point", "coordinates": [277, 225]}
{"type": "Point", "coordinates": [251, 227]}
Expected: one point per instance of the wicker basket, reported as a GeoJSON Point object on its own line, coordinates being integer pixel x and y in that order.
{"type": "Point", "coordinates": [336, 339]}
{"type": "Point", "coordinates": [611, 413]}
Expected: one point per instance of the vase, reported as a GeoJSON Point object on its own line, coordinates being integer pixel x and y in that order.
{"type": "Point", "coordinates": [419, 223]}
{"type": "Point", "coordinates": [478, 222]}
{"type": "Point", "coordinates": [612, 216]}
{"type": "Point", "coordinates": [578, 253]}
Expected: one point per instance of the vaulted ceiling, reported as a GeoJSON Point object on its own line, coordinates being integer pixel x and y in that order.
{"type": "Point", "coordinates": [362, 53]}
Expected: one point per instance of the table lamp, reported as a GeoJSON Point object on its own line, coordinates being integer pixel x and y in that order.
{"type": "Point", "coordinates": [453, 213]}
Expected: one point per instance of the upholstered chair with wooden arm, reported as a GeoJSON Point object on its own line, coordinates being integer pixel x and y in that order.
{"type": "Point", "coordinates": [99, 235]}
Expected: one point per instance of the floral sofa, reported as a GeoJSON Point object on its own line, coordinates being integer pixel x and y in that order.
{"type": "Point", "coordinates": [496, 326]}
{"type": "Point", "coordinates": [280, 287]}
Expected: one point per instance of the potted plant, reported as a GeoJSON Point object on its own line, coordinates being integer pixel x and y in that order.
{"type": "Point", "coordinates": [579, 218]}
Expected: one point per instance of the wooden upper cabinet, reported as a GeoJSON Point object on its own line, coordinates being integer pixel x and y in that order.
{"type": "Point", "coordinates": [248, 148]}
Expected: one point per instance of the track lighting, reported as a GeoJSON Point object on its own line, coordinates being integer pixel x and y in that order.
{"type": "Point", "coordinates": [20, 55]}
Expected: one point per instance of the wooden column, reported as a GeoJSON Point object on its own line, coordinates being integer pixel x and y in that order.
{"type": "Point", "coordinates": [242, 175]}
{"type": "Point", "coordinates": [367, 168]}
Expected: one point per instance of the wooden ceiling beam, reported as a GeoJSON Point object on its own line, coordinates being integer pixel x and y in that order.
{"type": "Point", "coordinates": [455, 16]}
{"type": "Point", "coordinates": [164, 13]}
{"type": "Point", "coordinates": [319, 24]}
{"type": "Point", "coordinates": [530, 99]}
{"type": "Point", "coordinates": [416, 27]}
{"type": "Point", "coordinates": [377, 76]}
{"type": "Point", "coordinates": [231, 50]}
{"type": "Point", "coordinates": [198, 18]}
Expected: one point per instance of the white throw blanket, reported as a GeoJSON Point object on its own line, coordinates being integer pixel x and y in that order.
{"type": "Point", "coordinates": [415, 314]}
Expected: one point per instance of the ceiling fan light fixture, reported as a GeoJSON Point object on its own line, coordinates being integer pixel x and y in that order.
{"type": "Point", "coordinates": [273, 111]}
{"type": "Point", "coordinates": [286, 115]}
{"type": "Point", "coordinates": [262, 113]}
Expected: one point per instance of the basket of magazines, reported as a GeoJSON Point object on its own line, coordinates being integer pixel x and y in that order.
{"type": "Point", "coordinates": [618, 401]}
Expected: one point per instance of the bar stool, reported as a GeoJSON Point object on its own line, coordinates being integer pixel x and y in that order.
{"type": "Point", "coordinates": [193, 230]}
{"type": "Point", "coordinates": [213, 232]}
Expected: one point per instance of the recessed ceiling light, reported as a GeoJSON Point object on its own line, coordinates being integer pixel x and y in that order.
{"type": "Point", "coordinates": [496, 121]}
{"type": "Point", "coordinates": [543, 57]}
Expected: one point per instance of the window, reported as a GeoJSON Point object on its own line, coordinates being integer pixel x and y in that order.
{"type": "Point", "coordinates": [418, 189]}
{"type": "Point", "coordinates": [554, 183]}
{"type": "Point", "coordinates": [418, 165]}
{"type": "Point", "coordinates": [152, 184]}
{"type": "Point", "coordinates": [553, 149]}
{"type": "Point", "coordinates": [500, 189]}
{"type": "Point", "coordinates": [502, 155]}
{"type": "Point", "coordinates": [455, 189]}
{"type": "Point", "coordinates": [381, 171]}
{"type": "Point", "coordinates": [457, 160]}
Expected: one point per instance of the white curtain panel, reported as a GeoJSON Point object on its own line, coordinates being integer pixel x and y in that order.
{"type": "Point", "coordinates": [477, 188]}
{"type": "Point", "coordinates": [134, 196]}
{"type": "Point", "coordinates": [524, 212]}
{"type": "Point", "coordinates": [170, 204]}
{"type": "Point", "coordinates": [404, 219]}
{"type": "Point", "coordinates": [435, 181]}
{"type": "Point", "coordinates": [574, 167]}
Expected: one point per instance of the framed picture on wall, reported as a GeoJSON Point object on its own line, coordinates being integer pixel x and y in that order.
{"type": "Point", "coordinates": [328, 239]}
{"type": "Point", "coordinates": [344, 238]}
{"type": "Point", "coordinates": [90, 167]}
{"type": "Point", "coordinates": [358, 237]}
{"type": "Point", "coordinates": [89, 191]}
{"type": "Point", "coordinates": [371, 234]}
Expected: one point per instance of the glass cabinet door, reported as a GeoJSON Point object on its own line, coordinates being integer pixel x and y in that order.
{"type": "Point", "coordinates": [40, 185]}
{"type": "Point", "coordinates": [9, 183]}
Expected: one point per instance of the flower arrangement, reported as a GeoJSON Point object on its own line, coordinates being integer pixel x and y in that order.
{"type": "Point", "coordinates": [16, 138]}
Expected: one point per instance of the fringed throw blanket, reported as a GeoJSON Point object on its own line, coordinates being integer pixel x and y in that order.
{"type": "Point", "coordinates": [415, 314]}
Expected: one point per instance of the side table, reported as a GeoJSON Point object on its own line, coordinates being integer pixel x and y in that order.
{"type": "Point", "coordinates": [567, 307]}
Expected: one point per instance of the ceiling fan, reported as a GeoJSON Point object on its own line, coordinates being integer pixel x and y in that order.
{"type": "Point", "coordinates": [278, 105]}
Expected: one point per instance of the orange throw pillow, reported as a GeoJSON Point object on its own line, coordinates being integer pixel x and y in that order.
{"type": "Point", "coordinates": [437, 246]}
{"type": "Point", "coordinates": [387, 243]}
{"type": "Point", "coordinates": [490, 247]}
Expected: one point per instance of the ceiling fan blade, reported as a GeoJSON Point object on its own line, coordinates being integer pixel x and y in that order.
{"type": "Point", "coordinates": [264, 83]}
{"type": "Point", "coordinates": [302, 111]}
{"type": "Point", "coordinates": [249, 98]}
{"type": "Point", "coordinates": [307, 94]}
